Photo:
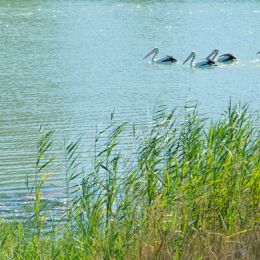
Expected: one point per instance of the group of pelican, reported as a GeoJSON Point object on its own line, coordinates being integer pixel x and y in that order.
{"type": "Point", "coordinates": [208, 61]}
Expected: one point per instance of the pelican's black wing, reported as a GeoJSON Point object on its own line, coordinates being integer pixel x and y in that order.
{"type": "Point", "coordinates": [167, 59]}
{"type": "Point", "coordinates": [171, 58]}
{"type": "Point", "coordinates": [229, 56]}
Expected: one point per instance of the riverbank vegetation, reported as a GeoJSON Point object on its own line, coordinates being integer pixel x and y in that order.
{"type": "Point", "coordinates": [191, 191]}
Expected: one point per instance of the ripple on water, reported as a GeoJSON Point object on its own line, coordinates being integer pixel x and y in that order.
{"type": "Point", "coordinates": [66, 65]}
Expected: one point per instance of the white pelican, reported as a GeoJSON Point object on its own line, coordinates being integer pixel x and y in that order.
{"type": "Point", "coordinates": [222, 58]}
{"type": "Point", "coordinates": [165, 60]}
{"type": "Point", "coordinates": [199, 64]}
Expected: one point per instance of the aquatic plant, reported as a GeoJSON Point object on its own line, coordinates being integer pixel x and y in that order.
{"type": "Point", "coordinates": [190, 191]}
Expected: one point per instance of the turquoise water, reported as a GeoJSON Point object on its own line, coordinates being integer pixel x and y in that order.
{"type": "Point", "coordinates": [68, 64]}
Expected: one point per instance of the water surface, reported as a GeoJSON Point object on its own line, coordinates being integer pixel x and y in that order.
{"type": "Point", "coordinates": [66, 65]}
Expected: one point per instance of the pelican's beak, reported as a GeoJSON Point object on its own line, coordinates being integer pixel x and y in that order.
{"type": "Point", "coordinates": [148, 54]}
{"type": "Point", "coordinates": [186, 60]}
{"type": "Point", "coordinates": [191, 54]}
{"type": "Point", "coordinates": [258, 52]}
{"type": "Point", "coordinates": [213, 53]}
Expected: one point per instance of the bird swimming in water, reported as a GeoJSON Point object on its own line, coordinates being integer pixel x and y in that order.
{"type": "Point", "coordinates": [200, 64]}
{"type": "Point", "coordinates": [222, 58]}
{"type": "Point", "coordinates": [164, 60]}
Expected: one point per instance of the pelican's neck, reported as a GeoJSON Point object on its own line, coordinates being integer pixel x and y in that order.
{"type": "Point", "coordinates": [192, 58]}
{"type": "Point", "coordinates": [153, 58]}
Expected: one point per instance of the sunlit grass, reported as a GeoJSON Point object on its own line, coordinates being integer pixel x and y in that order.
{"type": "Point", "coordinates": [190, 192]}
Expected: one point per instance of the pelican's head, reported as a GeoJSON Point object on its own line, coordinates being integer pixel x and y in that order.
{"type": "Point", "coordinates": [153, 51]}
{"type": "Point", "coordinates": [191, 54]}
{"type": "Point", "coordinates": [257, 52]}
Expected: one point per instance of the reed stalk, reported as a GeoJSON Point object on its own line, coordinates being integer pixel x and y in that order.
{"type": "Point", "coordinates": [190, 191]}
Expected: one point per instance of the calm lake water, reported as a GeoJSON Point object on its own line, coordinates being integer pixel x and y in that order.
{"type": "Point", "coordinates": [67, 65]}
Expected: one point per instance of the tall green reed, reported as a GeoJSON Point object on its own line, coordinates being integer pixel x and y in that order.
{"type": "Point", "coordinates": [190, 189]}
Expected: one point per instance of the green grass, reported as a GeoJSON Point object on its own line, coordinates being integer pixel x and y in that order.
{"type": "Point", "coordinates": [190, 192]}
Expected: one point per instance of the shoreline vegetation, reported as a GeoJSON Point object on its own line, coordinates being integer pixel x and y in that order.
{"type": "Point", "coordinates": [192, 192]}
